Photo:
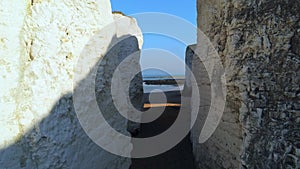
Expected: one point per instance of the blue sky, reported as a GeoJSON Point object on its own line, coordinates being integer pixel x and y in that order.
{"type": "Point", "coordinates": [185, 9]}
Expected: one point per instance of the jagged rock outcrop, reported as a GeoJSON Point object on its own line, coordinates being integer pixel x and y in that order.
{"type": "Point", "coordinates": [40, 43]}
{"type": "Point", "coordinates": [258, 42]}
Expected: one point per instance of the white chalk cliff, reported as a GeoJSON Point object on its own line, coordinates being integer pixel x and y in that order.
{"type": "Point", "coordinates": [40, 43]}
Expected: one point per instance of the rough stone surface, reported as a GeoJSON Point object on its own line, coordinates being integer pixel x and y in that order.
{"type": "Point", "coordinates": [129, 26]}
{"type": "Point", "coordinates": [10, 67]}
{"type": "Point", "coordinates": [189, 61]}
{"type": "Point", "coordinates": [39, 49]}
{"type": "Point", "coordinates": [258, 42]}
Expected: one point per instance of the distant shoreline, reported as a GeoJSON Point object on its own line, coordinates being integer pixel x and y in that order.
{"type": "Point", "coordinates": [164, 82]}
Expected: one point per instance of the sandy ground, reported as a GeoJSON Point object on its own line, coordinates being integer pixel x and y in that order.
{"type": "Point", "coordinates": [180, 156]}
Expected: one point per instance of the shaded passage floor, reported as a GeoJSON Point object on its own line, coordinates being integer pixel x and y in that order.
{"type": "Point", "coordinates": [180, 156]}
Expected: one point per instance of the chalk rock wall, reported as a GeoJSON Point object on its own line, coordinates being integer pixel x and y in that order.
{"type": "Point", "coordinates": [258, 42]}
{"type": "Point", "coordinates": [133, 68]}
{"type": "Point", "coordinates": [189, 61]}
{"type": "Point", "coordinates": [40, 43]}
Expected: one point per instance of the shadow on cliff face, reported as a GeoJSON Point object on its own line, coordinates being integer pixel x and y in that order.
{"type": "Point", "coordinates": [58, 140]}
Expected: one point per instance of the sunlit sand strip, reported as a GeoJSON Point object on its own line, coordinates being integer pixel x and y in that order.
{"type": "Point", "coordinates": [147, 105]}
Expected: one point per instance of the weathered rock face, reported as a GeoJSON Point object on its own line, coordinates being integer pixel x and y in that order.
{"type": "Point", "coordinates": [40, 44]}
{"type": "Point", "coordinates": [258, 42]}
{"type": "Point", "coordinates": [189, 61]}
{"type": "Point", "coordinates": [136, 88]}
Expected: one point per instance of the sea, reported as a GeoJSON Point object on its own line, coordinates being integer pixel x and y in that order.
{"type": "Point", "coordinates": [161, 87]}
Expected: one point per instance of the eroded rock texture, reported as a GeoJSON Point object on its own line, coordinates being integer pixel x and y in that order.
{"type": "Point", "coordinates": [258, 42]}
{"type": "Point", "coordinates": [40, 43]}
